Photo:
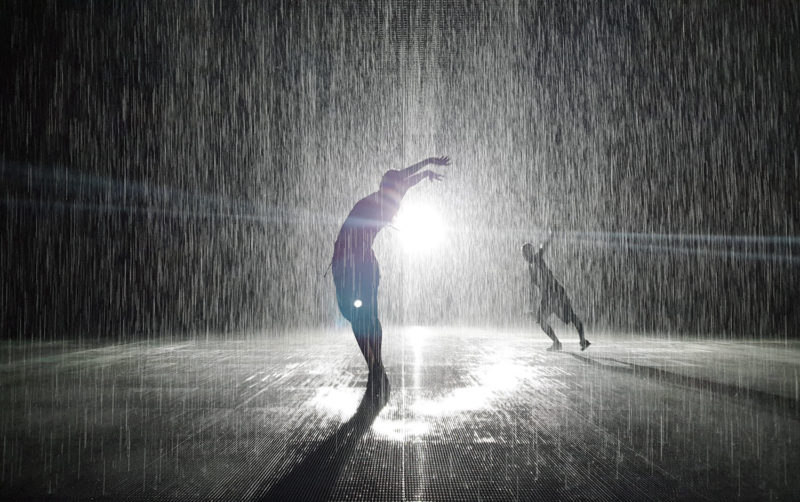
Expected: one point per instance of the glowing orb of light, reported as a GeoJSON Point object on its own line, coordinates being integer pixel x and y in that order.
{"type": "Point", "coordinates": [421, 228]}
{"type": "Point", "coordinates": [357, 304]}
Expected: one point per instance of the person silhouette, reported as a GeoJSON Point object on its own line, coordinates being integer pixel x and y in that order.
{"type": "Point", "coordinates": [554, 299]}
{"type": "Point", "coordinates": [355, 270]}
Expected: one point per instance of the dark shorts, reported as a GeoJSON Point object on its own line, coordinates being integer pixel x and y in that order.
{"type": "Point", "coordinates": [357, 289]}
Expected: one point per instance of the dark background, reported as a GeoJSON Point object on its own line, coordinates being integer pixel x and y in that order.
{"type": "Point", "coordinates": [180, 169]}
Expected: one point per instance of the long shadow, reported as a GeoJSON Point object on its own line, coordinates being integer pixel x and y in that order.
{"type": "Point", "coordinates": [316, 475]}
{"type": "Point", "coordinates": [786, 405]}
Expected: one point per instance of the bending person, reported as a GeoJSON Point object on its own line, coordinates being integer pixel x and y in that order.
{"type": "Point", "coordinates": [554, 298]}
{"type": "Point", "coordinates": [355, 269]}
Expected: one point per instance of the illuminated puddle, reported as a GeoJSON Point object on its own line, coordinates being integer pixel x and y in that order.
{"type": "Point", "coordinates": [337, 401]}
{"type": "Point", "coordinates": [496, 376]}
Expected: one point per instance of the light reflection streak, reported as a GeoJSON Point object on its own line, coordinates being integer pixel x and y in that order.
{"type": "Point", "coordinates": [399, 430]}
{"type": "Point", "coordinates": [494, 380]}
{"type": "Point", "coordinates": [337, 401]}
{"type": "Point", "coordinates": [61, 189]}
{"type": "Point", "coordinates": [497, 376]}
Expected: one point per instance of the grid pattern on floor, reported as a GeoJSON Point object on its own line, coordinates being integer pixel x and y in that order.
{"type": "Point", "coordinates": [473, 415]}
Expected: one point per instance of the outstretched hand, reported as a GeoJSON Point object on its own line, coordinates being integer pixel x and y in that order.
{"type": "Point", "coordinates": [440, 161]}
{"type": "Point", "coordinates": [432, 176]}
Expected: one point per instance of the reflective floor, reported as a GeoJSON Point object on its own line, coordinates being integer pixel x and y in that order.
{"type": "Point", "coordinates": [473, 415]}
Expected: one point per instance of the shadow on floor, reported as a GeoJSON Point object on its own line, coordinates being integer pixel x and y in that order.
{"type": "Point", "coordinates": [786, 405]}
{"type": "Point", "coordinates": [316, 475]}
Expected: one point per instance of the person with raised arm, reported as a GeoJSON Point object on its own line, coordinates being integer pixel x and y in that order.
{"type": "Point", "coordinates": [554, 299]}
{"type": "Point", "coordinates": [355, 269]}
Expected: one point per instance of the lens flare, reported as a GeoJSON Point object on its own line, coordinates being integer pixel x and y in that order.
{"type": "Point", "coordinates": [421, 228]}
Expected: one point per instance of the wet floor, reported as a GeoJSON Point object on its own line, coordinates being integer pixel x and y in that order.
{"type": "Point", "coordinates": [473, 415]}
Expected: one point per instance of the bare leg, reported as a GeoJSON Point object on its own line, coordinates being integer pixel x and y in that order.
{"type": "Point", "coordinates": [549, 331]}
{"type": "Point", "coordinates": [362, 340]}
{"type": "Point", "coordinates": [369, 335]}
{"type": "Point", "coordinates": [579, 326]}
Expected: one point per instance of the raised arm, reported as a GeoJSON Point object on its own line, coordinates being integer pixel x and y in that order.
{"type": "Point", "coordinates": [413, 180]}
{"type": "Point", "coordinates": [413, 169]}
{"type": "Point", "coordinates": [546, 242]}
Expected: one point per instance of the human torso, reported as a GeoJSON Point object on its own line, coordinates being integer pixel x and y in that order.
{"type": "Point", "coordinates": [358, 232]}
{"type": "Point", "coordinates": [542, 278]}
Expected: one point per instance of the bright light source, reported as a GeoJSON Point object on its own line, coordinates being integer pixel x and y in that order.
{"type": "Point", "coordinates": [357, 304]}
{"type": "Point", "coordinates": [421, 228]}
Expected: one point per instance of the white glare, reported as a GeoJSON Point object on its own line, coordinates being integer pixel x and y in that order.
{"type": "Point", "coordinates": [421, 228]}
{"type": "Point", "coordinates": [357, 304]}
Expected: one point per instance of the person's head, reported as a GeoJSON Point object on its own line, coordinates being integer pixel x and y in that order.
{"type": "Point", "coordinates": [528, 252]}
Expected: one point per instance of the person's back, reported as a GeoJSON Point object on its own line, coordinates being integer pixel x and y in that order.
{"type": "Point", "coordinates": [542, 277]}
{"type": "Point", "coordinates": [550, 289]}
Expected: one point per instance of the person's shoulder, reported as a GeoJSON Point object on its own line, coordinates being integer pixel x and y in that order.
{"type": "Point", "coordinates": [366, 204]}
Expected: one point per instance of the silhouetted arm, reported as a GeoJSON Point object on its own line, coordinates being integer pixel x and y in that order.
{"type": "Point", "coordinates": [413, 169]}
{"type": "Point", "coordinates": [413, 180]}
{"type": "Point", "coordinates": [545, 244]}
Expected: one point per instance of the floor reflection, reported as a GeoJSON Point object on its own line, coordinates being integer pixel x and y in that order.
{"type": "Point", "coordinates": [315, 476]}
{"type": "Point", "coordinates": [496, 375]}
{"type": "Point", "coordinates": [474, 415]}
